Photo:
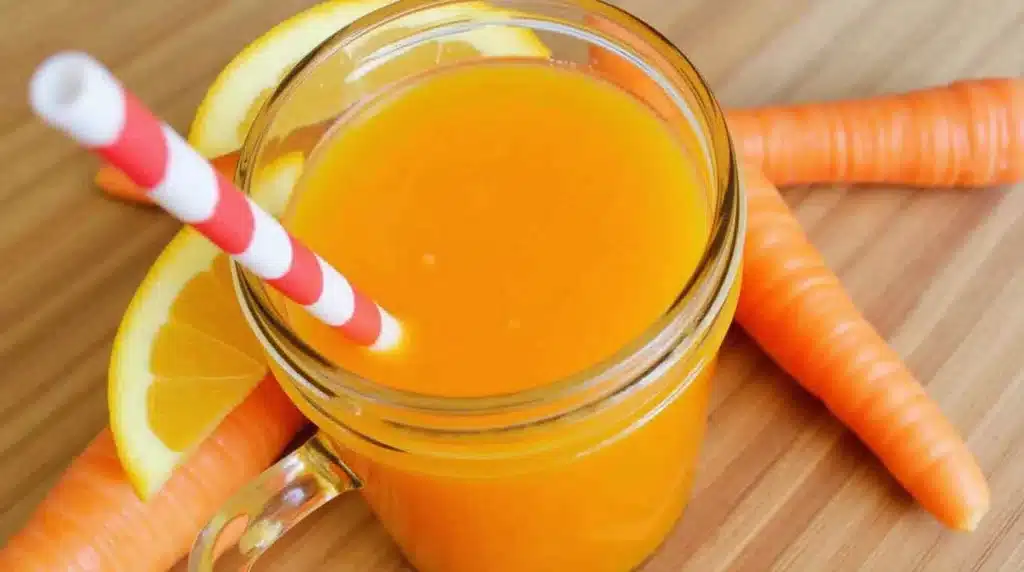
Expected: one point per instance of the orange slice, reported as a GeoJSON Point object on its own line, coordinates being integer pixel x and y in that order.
{"type": "Point", "coordinates": [226, 113]}
{"type": "Point", "coordinates": [184, 357]}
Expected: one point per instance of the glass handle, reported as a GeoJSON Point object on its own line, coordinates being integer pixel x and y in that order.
{"type": "Point", "coordinates": [259, 514]}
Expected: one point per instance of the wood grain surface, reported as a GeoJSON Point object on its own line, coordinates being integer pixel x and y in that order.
{"type": "Point", "coordinates": [782, 486]}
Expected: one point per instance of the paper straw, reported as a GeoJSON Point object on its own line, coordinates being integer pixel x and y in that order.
{"type": "Point", "coordinates": [77, 95]}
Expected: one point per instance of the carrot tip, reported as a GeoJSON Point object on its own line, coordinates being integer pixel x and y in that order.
{"type": "Point", "coordinates": [973, 518]}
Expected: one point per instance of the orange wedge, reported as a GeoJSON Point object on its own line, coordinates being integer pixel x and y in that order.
{"type": "Point", "coordinates": [230, 105]}
{"type": "Point", "coordinates": [184, 357]}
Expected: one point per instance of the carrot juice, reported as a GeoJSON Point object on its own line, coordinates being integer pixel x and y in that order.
{"type": "Point", "coordinates": [525, 222]}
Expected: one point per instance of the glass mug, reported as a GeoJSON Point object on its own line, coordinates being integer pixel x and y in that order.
{"type": "Point", "coordinates": [586, 473]}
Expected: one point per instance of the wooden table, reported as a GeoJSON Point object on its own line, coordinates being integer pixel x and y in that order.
{"type": "Point", "coordinates": [782, 485]}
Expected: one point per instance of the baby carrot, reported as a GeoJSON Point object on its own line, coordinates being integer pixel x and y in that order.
{"type": "Point", "coordinates": [116, 184]}
{"type": "Point", "coordinates": [92, 519]}
{"type": "Point", "coordinates": [797, 311]}
{"type": "Point", "coordinates": [967, 134]}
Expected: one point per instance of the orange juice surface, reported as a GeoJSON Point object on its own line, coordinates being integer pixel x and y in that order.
{"type": "Point", "coordinates": [523, 222]}
{"type": "Point", "coordinates": [519, 219]}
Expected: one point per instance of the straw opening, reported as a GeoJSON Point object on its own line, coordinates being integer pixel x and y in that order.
{"type": "Point", "coordinates": [59, 83]}
{"type": "Point", "coordinates": [69, 82]}
{"type": "Point", "coordinates": [74, 93]}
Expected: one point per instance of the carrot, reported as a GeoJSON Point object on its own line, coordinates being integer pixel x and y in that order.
{"type": "Point", "coordinates": [797, 311]}
{"type": "Point", "coordinates": [92, 520]}
{"type": "Point", "coordinates": [116, 184]}
{"type": "Point", "coordinates": [111, 180]}
{"type": "Point", "coordinates": [967, 134]}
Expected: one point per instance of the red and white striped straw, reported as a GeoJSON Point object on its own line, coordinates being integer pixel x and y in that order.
{"type": "Point", "coordinates": [77, 95]}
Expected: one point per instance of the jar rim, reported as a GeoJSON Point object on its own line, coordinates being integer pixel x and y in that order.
{"type": "Point", "coordinates": [681, 327]}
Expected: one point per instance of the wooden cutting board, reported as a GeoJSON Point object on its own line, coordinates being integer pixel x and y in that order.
{"type": "Point", "coordinates": [782, 486]}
